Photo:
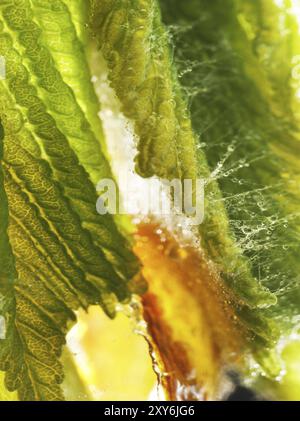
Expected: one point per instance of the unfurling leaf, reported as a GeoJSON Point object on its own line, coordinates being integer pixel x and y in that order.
{"type": "Point", "coordinates": [195, 85]}
{"type": "Point", "coordinates": [209, 89]}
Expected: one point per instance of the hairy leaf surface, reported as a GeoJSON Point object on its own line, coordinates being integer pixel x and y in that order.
{"type": "Point", "coordinates": [56, 253]}
{"type": "Point", "coordinates": [197, 61]}
{"type": "Point", "coordinates": [210, 89]}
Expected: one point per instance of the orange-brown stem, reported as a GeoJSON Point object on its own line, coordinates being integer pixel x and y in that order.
{"type": "Point", "coordinates": [193, 328]}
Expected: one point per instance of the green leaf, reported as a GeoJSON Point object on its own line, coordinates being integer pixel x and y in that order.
{"type": "Point", "coordinates": [135, 46]}
{"type": "Point", "coordinates": [57, 254]}
{"type": "Point", "coordinates": [250, 151]}
{"type": "Point", "coordinates": [204, 85]}
{"type": "Point", "coordinates": [191, 81]}
{"type": "Point", "coordinates": [5, 395]}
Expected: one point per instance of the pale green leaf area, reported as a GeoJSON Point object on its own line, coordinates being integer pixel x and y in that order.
{"type": "Point", "coordinates": [288, 388]}
{"type": "Point", "coordinates": [5, 395]}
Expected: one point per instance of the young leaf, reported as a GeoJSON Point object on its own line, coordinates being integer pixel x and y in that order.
{"type": "Point", "coordinates": [56, 253]}
{"type": "Point", "coordinates": [210, 96]}
{"type": "Point", "coordinates": [135, 45]}
{"type": "Point", "coordinates": [250, 151]}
